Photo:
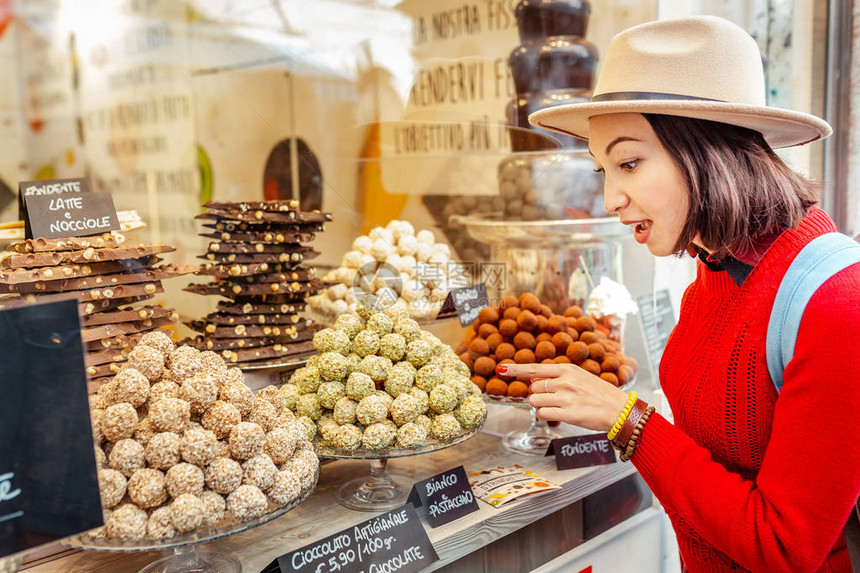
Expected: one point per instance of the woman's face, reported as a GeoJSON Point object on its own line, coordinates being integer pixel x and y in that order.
{"type": "Point", "coordinates": [642, 183]}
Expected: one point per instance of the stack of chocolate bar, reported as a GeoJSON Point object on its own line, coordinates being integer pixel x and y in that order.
{"type": "Point", "coordinates": [258, 260]}
{"type": "Point", "coordinates": [107, 277]}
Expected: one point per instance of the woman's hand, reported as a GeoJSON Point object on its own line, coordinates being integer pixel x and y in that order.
{"type": "Point", "coordinates": [567, 393]}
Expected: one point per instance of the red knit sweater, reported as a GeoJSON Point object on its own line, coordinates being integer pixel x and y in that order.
{"type": "Point", "coordinates": [751, 482]}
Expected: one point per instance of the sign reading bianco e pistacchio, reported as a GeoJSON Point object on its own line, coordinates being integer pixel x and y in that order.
{"type": "Point", "coordinates": [445, 497]}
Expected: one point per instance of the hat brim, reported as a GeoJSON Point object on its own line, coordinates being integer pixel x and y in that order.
{"type": "Point", "coordinates": [780, 127]}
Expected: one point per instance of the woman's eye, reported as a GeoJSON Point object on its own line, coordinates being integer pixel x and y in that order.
{"type": "Point", "coordinates": [598, 169]}
{"type": "Point", "coordinates": [630, 165]}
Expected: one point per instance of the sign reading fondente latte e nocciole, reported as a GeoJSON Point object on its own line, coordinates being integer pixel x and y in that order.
{"type": "Point", "coordinates": [48, 481]}
{"type": "Point", "coordinates": [70, 215]}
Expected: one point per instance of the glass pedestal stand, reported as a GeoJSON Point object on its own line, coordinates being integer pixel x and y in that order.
{"type": "Point", "coordinates": [533, 441]}
{"type": "Point", "coordinates": [381, 491]}
{"type": "Point", "coordinates": [187, 559]}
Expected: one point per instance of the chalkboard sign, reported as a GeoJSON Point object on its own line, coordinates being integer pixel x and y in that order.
{"type": "Point", "coordinates": [658, 320]}
{"type": "Point", "coordinates": [48, 482]}
{"type": "Point", "coordinates": [393, 541]}
{"type": "Point", "coordinates": [70, 215]}
{"type": "Point", "coordinates": [581, 451]}
{"type": "Point", "coordinates": [468, 302]}
{"type": "Point", "coordinates": [446, 496]}
{"type": "Point", "coordinates": [48, 187]}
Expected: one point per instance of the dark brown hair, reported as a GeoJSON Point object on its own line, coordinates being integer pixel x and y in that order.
{"type": "Point", "coordinates": [741, 192]}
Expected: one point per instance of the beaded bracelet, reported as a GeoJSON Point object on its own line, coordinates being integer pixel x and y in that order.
{"type": "Point", "coordinates": [623, 437]}
{"type": "Point", "coordinates": [637, 432]}
{"type": "Point", "coordinates": [631, 399]}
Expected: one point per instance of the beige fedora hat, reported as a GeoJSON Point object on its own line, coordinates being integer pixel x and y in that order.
{"type": "Point", "coordinates": [702, 67]}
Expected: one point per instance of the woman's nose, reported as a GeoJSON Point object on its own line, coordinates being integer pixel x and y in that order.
{"type": "Point", "coordinates": [614, 198]}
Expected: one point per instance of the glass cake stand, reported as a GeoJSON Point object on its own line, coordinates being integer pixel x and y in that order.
{"type": "Point", "coordinates": [186, 557]}
{"type": "Point", "coordinates": [381, 491]}
{"type": "Point", "coordinates": [533, 441]}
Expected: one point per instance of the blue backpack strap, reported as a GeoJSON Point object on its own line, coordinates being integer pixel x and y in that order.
{"type": "Point", "coordinates": [819, 260]}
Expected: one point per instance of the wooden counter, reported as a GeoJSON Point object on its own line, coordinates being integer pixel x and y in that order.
{"type": "Point", "coordinates": [320, 515]}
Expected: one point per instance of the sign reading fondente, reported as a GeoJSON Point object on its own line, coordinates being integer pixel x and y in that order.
{"type": "Point", "coordinates": [446, 496]}
{"type": "Point", "coordinates": [581, 451]}
{"type": "Point", "coordinates": [468, 301]}
{"type": "Point", "coordinates": [48, 187]}
{"type": "Point", "coordinates": [394, 541]}
{"type": "Point", "coordinates": [70, 215]}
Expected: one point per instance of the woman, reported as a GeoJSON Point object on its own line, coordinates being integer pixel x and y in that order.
{"type": "Point", "coordinates": [751, 478]}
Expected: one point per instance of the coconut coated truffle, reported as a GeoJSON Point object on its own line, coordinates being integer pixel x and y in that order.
{"type": "Point", "coordinates": [246, 440]}
{"type": "Point", "coordinates": [170, 415]}
{"type": "Point", "coordinates": [264, 414]}
{"type": "Point", "coordinates": [224, 475]}
{"type": "Point", "coordinates": [184, 478]}
{"type": "Point", "coordinates": [280, 443]}
{"type": "Point", "coordinates": [118, 421]}
{"type": "Point", "coordinates": [146, 488]}
{"type": "Point", "coordinates": [246, 502]}
{"type": "Point", "coordinates": [132, 386]}
{"type": "Point", "coordinates": [259, 471]}
{"type": "Point", "coordinates": [147, 360]}
{"type": "Point", "coordinates": [199, 446]}
{"type": "Point", "coordinates": [127, 456]}
{"type": "Point", "coordinates": [239, 395]}
{"type": "Point", "coordinates": [220, 418]}
{"type": "Point", "coordinates": [127, 522]}
{"type": "Point", "coordinates": [186, 512]}
{"type": "Point", "coordinates": [163, 450]}
{"type": "Point", "coordinates": [214, 509]}
{"type": "Point", "coordinates": [160, 525]}
{"type": "Point", "coordinates": [112, 487]}
{"type": "Point", "coordinates": [286, 488]}
{"type": "Point", "coordinates": [273, 395]}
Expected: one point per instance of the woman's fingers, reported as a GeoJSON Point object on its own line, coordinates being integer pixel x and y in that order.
{"type": "Point", "coordinates": [532, 370]}
{"type": "Point", "coordinates": [551, 414]}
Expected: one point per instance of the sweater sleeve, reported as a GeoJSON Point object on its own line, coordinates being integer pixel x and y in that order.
{"type": "Point", "coordinates": [791, 515]}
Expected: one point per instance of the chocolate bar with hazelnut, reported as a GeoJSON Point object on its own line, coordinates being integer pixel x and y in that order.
{"type": "Point", "coordinates": [89, 255]}
{"type": "Point", "coordinates": [41, 244]}
{"type": "Point", "coordinates": [74, 284]}
{"type": "Point", "coordinates": [115, 316]}
{"type": "Point", "coordinates": [254, 307]}
{"type": "Point", "coordinates": [265, 237]}
{"type": "Point", "coordinates": [78, 270]}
